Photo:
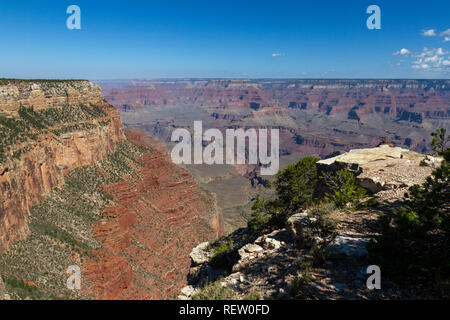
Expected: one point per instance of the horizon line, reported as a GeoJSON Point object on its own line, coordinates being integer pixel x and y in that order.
{"type": "Point", "coordinates": [218, 78]}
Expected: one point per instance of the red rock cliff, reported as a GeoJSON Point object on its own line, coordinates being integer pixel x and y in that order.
{"type": "Point", "coordinates": [148, 235]}
{"type": "Point", "coordinates": [44, 160]}
{"type": "Point", "coordinates": [145, 232]}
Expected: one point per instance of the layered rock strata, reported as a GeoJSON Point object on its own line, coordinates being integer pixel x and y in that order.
{"type": "Point", "coordinates": [76, 189]}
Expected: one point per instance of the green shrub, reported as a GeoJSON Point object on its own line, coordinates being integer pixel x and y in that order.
{"type": "Point", "coordinates": [214, 291]}
{"type": "Point", "coordinates": [321, 224]}
{"type": "Point", "coordinates": [439, 141]}
{"type": "Point", "coordinates": [414, 243]}
{"type": "Point", "coordinates": [266, 215]}
{"type": "Point", "coordinates": [343, 188]}
{"type": "Point", "coordinates": [304, 263]}
{"type": "Point", "coordinates": [295, 286]}
{"type": "Point", "coordinates": [324, 224]}
{"type": "Point", "coordinates": [22, 289]}
{"type": "Point", "coordinates": [219, 258]}
{"type": "Point", "coordinates": [295, 185]}
{"type": "Point", "coordinates": [294, 188]}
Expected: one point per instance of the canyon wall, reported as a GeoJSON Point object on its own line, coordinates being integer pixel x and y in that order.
{"type": "Point", "coordinates": [318, 116]}
{"type": "Point", "coordinates": [76, 188]}
{"type": "Point", "coordinates": [46, 93]}
{"type": "Point", "coordinates": [44, 160]}
{"type": "Point", "coordinates": [148, 234]}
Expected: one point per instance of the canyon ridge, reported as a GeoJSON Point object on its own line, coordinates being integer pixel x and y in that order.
{"type": "Point", "coordinates": [323, 117]}
{"type": "Point", "coordinates": [79, 188]}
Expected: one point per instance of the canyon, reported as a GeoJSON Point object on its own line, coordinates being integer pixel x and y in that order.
{"type": "Point", "coordinates": [323, 117]}
{"type": "Point", "coordinates": [86, 177]}
{"type": "Point", "coordinates": [78, 189]}
{"type": "Point", "coordinates": [356, 112]}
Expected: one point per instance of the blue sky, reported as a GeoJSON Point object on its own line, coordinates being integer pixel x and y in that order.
{"type": "Point", "coordinates": [242, 39]}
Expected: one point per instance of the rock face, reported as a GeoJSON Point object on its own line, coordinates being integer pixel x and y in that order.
{"type": "Point", "coordinates": [314, 116]}
{"type": "Point", "coordinates": [45, 160]}
{"type": "Point", "coordinates": [150, 232]}
{"type": "Point", "coordinates": [200, 253]}
{"type": "Point", "coordinates": [382, 168]}
{"type": "Point", "coordinates": [45, 93]}
{"type": "Point", "coordinates": [81, 190]}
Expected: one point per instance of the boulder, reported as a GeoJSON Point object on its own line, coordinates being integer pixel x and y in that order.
{"type": "Point", "coordinates": [273, 241]}
{"type": "Point", "coordinates": [200, 254]}
{"type": "Point", "coordinates": [188, 291]}
{"type": "Point", "coordinates": [298, 221]}
{"type": "Point", "coordinates": [248, 249]}
{"type": "Point", "coordinates": [349, 245]}
{"type": "Point", "coordinates": [372, 185]}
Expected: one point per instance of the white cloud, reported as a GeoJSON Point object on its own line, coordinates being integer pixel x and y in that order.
{"type": "Point", "coordinates": [432, 59]}
{"type": "Point", "coordinates": [402, 52]}
{"type": "Point", "coordinates": [278, 54]}
{"type": "Point", "coordinates": [429, 33]}
{"type": "Point", "coordinates": [433, 33]}
{"type": "Point", "coordinates": [445, 33]}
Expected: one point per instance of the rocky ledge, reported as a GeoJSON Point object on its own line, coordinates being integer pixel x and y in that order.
{"type": "Point", "coordinates": [384, 167]}
{"type": "Point", "coordinates": [275, 266]}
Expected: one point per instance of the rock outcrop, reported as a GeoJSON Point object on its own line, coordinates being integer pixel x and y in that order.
{"type": "Point", "coordinates": [295, 262]}
{"type": "Point", "coordinates": [383, 167]}
{"type": "Point", "coordinates": [42, 94]}
{"type": "Point", "coordinates": [200, 254]}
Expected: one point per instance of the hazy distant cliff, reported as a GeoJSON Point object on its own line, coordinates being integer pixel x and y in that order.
{"type": "Point", "coordinates": [316, 115]}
